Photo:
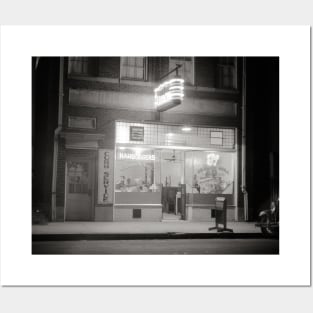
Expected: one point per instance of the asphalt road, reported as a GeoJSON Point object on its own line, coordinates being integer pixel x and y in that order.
{"type": "Point", "coordinates": [157, 246]}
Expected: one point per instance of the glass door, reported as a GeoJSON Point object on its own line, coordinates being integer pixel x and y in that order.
{"type": "Point", "coordinates": [172, 174]}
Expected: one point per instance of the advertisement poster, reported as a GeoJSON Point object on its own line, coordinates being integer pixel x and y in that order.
{"type": "Point", "coordinates": [105, 178]}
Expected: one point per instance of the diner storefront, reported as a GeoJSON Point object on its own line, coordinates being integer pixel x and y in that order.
{"type": "Point", "coordinates": [159, 172]}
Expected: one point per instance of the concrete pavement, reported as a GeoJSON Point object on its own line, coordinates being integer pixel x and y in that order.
{"type": "Point", "coordinates": [137, 227]}
{"type": "Point", "coordinates": [141, 230]}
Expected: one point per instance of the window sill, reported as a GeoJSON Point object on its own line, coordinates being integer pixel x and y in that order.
{"type": "Point", "coordinates": [137, 82]}
{"type": "Point", "coordinates": [212, 90]}
{"type": "Point", "coordinates": [94, 78]}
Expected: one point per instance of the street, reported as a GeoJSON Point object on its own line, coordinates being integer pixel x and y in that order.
{"type": "Point", "coordinates": [165, 246]}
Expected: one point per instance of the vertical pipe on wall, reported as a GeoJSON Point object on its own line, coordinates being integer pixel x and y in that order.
{"type": "Point", "coordinates": [243, 142]}
{"type": "Point", "coordinates": [56, 135]}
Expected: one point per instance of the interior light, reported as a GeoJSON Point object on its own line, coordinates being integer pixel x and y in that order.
{"type": "Point", "coordinates": [122, 148]}
{"type": "Point", "coordinates": [138, 150]}
{"type": "Point", "coordinates": [186, 129]}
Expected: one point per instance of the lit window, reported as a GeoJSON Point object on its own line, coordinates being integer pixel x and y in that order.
{"type": "Point", "coordinates": [216, 138]}
{"type": "Point", "coordinates": [78, 65]}
{"type": "Point", "coordinates": [133, 68]}
{"type": "Point", "coordinates": [186, 71]}
{"type": "Point", "coordinates": [134, 170]}
{"type": "Point", "coordinates": [226, 73]}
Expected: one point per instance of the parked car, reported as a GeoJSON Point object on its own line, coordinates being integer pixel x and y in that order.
{"type": "Point", "coordinates": [268, 220]}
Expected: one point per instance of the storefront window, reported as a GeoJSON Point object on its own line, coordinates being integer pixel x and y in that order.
{"type": "Point", "coordinates": [213, 172]}
{"type": "Point", "coordinates": [135, 170]}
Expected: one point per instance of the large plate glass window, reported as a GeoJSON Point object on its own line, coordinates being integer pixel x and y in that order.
{"type": "Point", "coordinates": [135, 170]}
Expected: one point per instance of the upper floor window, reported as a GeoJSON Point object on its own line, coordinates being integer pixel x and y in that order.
{"type": "Point", "coordinates": [186, 71]}
{"type": "Point", "coordinates": [227, 73]}
{"type": "Point", "coordinates": [78, 65]}
{"type": "Point", "coordinates": [134, 68]}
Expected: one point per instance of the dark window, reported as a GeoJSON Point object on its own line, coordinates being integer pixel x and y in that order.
{"type": "Point", "coordinates": [78, 65]}
{"type": "Point", "coordinates": [133, 68]}
{"type": "Point", "coordinates": [136, 213]}
{"type": "Point", "coordinates": [83, 66]}
{"type": "Point", "coordinates": [227, 73]}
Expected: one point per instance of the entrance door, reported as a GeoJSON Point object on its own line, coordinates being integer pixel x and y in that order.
{"type": "Point", "coordinates": [79, 190]}
{"type": "Point", "coordinates": [172, 178]}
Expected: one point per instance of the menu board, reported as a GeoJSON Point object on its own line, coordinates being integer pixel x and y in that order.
{"type": "Point", "coordinates": [105, 178]}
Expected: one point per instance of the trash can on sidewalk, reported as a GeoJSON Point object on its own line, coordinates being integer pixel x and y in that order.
{"type": "Point", "coordinates": [220, 211]}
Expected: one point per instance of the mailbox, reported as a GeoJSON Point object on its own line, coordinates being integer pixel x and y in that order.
{"type": "Point", "coordinates": [220, 213]}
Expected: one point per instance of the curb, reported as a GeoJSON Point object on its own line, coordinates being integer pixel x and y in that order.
{"type": "Point", "coordinates": [150, 236]}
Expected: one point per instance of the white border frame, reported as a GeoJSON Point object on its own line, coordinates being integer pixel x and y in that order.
{"type": "Point", "coordinates": [290, 43]}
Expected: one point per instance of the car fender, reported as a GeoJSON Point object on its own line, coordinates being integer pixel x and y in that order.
{"type": "Point", "coordinates": [262, 213]}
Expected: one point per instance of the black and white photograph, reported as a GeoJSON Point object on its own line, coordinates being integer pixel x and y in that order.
{"type": "Point", "coordinates": [155, 155]}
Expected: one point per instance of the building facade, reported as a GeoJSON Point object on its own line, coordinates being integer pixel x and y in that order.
{"type": "Point", "coordinates": [117, 158]}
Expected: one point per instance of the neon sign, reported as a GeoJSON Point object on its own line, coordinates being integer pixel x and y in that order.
{"type": "Point", "coordinates": [136, 156]}
{"type": "Point", "coordinates": [212, 159]}
{"type": "Point", "coordinates": [169, 94]}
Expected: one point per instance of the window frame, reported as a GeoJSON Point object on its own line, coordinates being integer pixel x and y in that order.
{"type": "Point", "coordinates": [145, 70]}
{"type": "Point", "coordinates": [220, 78]}
{"type": "Point", "coordinates": [85, 61]}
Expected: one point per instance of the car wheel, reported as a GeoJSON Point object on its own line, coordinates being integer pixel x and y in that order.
{"type": "Point", "coordinates": [265, 229]}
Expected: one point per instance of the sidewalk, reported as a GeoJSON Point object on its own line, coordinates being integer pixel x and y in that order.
{"type": "Point", "coordinates": [127, 230]}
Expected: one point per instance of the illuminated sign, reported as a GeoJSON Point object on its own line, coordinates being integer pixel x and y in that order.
{"type": "Point", "coordinates": [212, 159]}
{"type": "Point", "coordinates": [169, 94]}
{"type": "Point", "coordinates": [136, 156]}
